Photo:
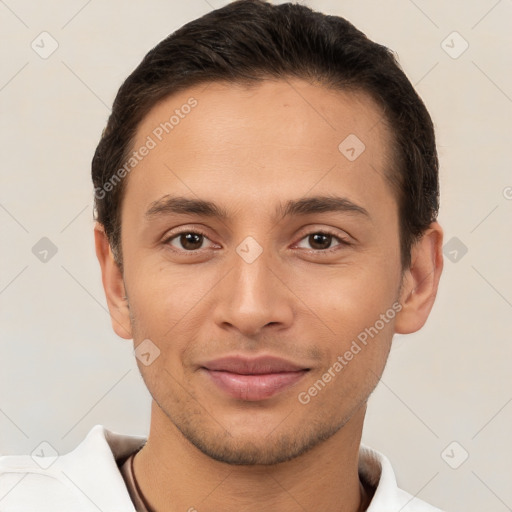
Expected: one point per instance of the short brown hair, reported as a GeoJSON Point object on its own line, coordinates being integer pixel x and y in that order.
{"type": "Point", "coordinates": [249, 41]}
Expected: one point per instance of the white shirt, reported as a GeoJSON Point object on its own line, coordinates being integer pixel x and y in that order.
{"type": "Point", "coordinates": [88, 479]}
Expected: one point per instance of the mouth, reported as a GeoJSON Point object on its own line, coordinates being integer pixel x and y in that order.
{"type": "Point", "coordinates": [253, 379]}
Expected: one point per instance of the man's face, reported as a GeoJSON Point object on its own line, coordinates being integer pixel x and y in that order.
{"type": "Point", "coordinates": [301, 287]}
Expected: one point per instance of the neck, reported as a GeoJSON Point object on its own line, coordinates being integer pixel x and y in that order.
{"type": "Point", "coordinates": [173, 475]}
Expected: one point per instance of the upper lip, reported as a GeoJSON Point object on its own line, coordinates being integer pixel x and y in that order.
{"type": "Point", "coordinates": [255, 365]}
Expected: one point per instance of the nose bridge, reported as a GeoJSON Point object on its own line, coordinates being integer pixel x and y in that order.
{"type": "Point", "coordinates": [254, 277]}
{"type": "Point", "coordinates": [252, 296]}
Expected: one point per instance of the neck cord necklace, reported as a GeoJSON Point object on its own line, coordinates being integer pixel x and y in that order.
{"type": "Point", "coordinates": [137, 488]}
{"type": "Point", "coordinates": [362, 505]}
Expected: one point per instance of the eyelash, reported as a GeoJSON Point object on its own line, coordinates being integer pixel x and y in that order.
{"type": "Point", "coordinates": [342, 241]}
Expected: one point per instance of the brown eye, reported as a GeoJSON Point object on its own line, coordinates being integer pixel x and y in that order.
{"type": "Point", "coordinates": [188, 241]}
{"type": "Point", "coordinates": [322, 242]}
{"type": "Point", "coordinates": [319, 241]}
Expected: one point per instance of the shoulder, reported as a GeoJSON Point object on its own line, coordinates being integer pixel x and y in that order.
{"type": "Point", "coordinates": [81, 480]}
{"type": "Point", "coordinates": [375, 469]}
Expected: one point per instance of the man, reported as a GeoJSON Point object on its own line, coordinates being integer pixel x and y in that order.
{"type": "Point", "coordinates": [266, 192]}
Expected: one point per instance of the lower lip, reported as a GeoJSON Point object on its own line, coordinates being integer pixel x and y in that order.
{"type": "Point", "coordinates": [254, 387]}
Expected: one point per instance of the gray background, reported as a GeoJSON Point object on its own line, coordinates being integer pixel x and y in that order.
{"type": "Point", "coordinates": [63, 370]}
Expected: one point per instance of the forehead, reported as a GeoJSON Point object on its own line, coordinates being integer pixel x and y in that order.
{"type": "Point", "coordinates": [285, 107]}
{"type": "Point", "coordinates": [275, 138]}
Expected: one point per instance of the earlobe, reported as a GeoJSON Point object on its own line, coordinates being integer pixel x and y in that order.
{"type": "Point", "coordinates": [113, 284]}
{"type": "Point", "coordinates": [421, 281]}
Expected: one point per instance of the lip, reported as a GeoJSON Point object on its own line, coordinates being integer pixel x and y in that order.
{"type": "Point", "coordinates": [253, 379]}
{"type": "Point", "coordinates": [252, 365]}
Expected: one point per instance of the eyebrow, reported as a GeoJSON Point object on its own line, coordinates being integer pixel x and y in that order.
{"type": "Point", "coordinates": [318, 204]}
{"type": "Point", "coordinates": [182, 205]}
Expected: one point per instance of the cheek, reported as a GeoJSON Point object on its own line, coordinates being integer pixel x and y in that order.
{"type": "Point", "coordinates": [357, 307]}
{"type": "Point", "coordinates": [360, 324]}
{"type": "Point", "coordinates": [349, 299]}
{"type": "Point", "coordinates": [163, 296]}
{"type": "Point", "coordinates": [170, 307]}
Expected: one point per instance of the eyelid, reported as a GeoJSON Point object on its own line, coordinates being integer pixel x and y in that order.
{"type": "Point", "coordinates": [343, 240]}
{"type": "Point", "coordinates": [174, 234]}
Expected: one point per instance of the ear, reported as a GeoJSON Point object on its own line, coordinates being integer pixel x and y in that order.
{"type": "Point", "coordinates": [113, 284]}
{"type": "Point", "coordinates": [420, 281]}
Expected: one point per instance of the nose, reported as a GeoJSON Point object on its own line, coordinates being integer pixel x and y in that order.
{"type": "Point", "coordinates": [253, 297]}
